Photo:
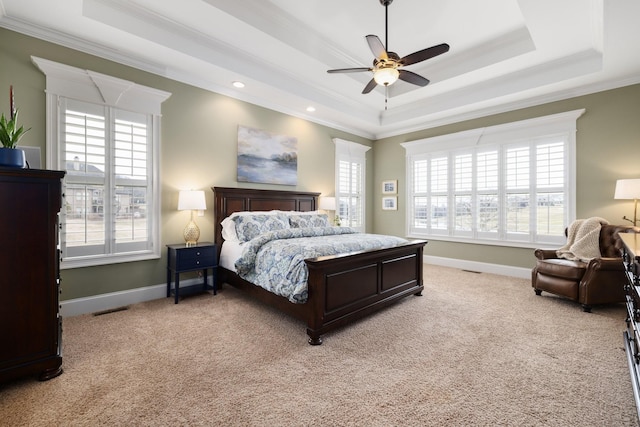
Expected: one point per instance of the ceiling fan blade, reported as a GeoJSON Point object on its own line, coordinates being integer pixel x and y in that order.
{"type": "Point", "coordinates": [424, 54]}
{"type": "Point", "coordinates": [369, 87]}
{"type": "Point", "coordinates": [413, 78]}
{"type": "Point", "coordinates": [350, 70]}
{"type": "Point", "coordinates": [377, 48]}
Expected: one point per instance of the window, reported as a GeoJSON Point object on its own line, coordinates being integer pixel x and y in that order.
{"type": "Point", "coordinates": [512, 184]}
{"type": "Point", "coordinates": [104, 132]}
{"type": "Point", "coordinates": [350, 183]}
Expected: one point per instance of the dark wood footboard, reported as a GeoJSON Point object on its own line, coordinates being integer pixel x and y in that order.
{"type": "Point", "coordinates": [346, 287]}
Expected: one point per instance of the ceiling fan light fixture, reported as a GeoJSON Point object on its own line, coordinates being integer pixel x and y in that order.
{"type": "Point", "coordinates": [386, 76]}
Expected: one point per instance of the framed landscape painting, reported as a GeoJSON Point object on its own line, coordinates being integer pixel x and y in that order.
{"type": "Point", "coordinates": [266, 157]}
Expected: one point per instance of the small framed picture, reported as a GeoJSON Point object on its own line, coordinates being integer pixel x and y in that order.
{"type": "Point", "coordinates": [390, 203]}
{"type": "Point", "coordinates": [389, 187]}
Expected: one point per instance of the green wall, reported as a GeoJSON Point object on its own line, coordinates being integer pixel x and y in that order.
{"type": "Point", "coordinates": [198, 149]}
{"type": "Point", "coordinates": [607, 148]}
{"type": "Point", "coordinates": [199, 130]}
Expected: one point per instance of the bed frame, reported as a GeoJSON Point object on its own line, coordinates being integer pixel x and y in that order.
{"type": "Point", "coordinates": [342, 288]}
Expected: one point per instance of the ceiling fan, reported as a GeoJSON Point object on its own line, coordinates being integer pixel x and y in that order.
{"type": "Point", "coordinates": [388, 67]}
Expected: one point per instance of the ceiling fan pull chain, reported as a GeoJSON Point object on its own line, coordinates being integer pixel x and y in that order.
{"type": "Point", "coordinates": [386, 97]}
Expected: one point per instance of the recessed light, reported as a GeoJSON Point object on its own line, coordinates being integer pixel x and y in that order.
{"type": "Point", "coordinates": [311, 109]}
{"type": "Point", "coordinates": [238, 84]}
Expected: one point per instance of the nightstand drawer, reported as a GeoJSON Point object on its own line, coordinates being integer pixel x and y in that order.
{"type": "Point", "coordinates": [195, 258]}
{"type": "Point", "coordinates": [185, 258]}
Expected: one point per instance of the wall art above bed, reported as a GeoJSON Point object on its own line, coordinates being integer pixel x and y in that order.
{"type": "Point", "coordinates": [266, 157]}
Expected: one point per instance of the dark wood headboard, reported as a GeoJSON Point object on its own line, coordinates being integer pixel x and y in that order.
{"type": "Point", "coordinates": [230, 200]}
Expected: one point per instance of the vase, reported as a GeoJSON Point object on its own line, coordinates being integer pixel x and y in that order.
{"type": "Point", "coordinates": [12, 158]}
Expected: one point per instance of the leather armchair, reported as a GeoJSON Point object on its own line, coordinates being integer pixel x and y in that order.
{"type": "Point", "coordinates": [599, 281]}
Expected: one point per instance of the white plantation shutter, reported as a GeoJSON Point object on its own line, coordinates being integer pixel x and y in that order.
{"type": "Point", "coordinates": [132, 169]}
{"type": "Point", "coordinates": [487, 194]}
{"type": "Point", "coordinates": [511, 184]}
{"type": "Point", "coordinates": [439, 206]}
{"type": "Point", "coordinates": [349, 190]}
{"type": "Point", "coordinates": [350, 183]}
{"type": "Point", "coordinates": [420, 195]}
{"type": "Point", "coordinates": [550, 184]}
{"type": "Point", "coordinates": [518, 203]}
{"type": "Point", "coordinates": [463, 186]}
{"type": "Point", "coordinates": [83, 154]}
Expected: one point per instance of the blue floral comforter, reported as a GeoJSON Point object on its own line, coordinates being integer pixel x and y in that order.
{"type": "Point", "coordinates": [275, 260]}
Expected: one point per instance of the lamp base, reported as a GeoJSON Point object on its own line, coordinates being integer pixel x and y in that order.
{"type": "Point", "coordinates": [191, 234]}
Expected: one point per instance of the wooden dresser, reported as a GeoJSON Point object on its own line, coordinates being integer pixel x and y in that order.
{"type": "Point", "coordinates": [31, 333]}
{"type": "Point", "coordinates": [631, 260]}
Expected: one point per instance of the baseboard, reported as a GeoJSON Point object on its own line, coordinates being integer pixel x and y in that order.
{"type": "Point", "coordinates": [96, 303]}
{"type": "Point", "coordinates": [102, 302]}
{"type": "Point", "coordinates": [483, 267]}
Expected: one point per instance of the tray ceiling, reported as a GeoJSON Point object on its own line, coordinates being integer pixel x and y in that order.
{"type": "Point", "coordinates": [505, 54]}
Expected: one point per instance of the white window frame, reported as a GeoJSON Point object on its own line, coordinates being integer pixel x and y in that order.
{"type": "Point", "coordinates": [66, 82]}
{"type": "Point", "coordinates": [531, 132]}
{"type": "Point", "coordinates": [353, 153]}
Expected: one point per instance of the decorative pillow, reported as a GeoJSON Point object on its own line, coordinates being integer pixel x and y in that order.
{"type": "Point", "coordinates": [306, 220]}
{"type": "Point", "coordinates": [251, 226]}
{"type": "Point", "coordinates": [229, 225]}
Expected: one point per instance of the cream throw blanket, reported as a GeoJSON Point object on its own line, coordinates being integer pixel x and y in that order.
{"type": "Point", "coordinates": [583, 240]}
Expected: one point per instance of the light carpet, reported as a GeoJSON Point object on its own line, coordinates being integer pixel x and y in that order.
{"type": "Point", "coordinates": [475, 350]}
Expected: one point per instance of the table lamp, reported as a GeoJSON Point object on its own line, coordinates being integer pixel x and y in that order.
{"type": "Point", "coordinates": [329, 204]}
{"type": "Point", "coordinates": [629, 189]}
{"type": "Point", "coordinates": [191, 200]}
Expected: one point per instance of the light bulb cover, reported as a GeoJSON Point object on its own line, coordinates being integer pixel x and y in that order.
{"type": "Point", "coordinates": [386, 76]}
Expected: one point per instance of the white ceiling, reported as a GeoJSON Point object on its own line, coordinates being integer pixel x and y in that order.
{"type": "Point", "coordinates": [505, 54]}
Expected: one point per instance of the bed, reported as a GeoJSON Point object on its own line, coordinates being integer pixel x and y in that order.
{"type": "Point", "coordinates": [341, 288]}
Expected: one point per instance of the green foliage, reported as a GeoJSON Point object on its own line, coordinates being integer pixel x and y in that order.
{"type": "Point", "coordinates": [10, 133]}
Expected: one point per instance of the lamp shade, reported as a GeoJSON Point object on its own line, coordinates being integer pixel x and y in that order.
{"type": "Point", "coordinates": [627, 189]}
{"type": "Point", "coordinates": [191, 200]}
{"type": "Point", "coordinates": [327, 203]}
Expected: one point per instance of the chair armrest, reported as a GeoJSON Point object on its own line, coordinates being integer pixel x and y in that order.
{"type": "Point", "coordinates": [603, 282]}
{"type": "Point", "coordinates": [605, 264]}
{"type": "Point", "coordinates": [545, 253]}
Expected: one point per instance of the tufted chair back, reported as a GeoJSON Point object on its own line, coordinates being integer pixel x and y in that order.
{"type": "Point", "coordinates": [610, 243]}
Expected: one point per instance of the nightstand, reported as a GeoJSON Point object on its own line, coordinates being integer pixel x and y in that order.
{"type": "Point", "coordinates": [182, 258]}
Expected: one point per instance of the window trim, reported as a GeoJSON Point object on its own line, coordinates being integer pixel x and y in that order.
{"type": "Point", "coordinates": [92, 87]}
{"type": "Point", "coordinates": [564, 124]}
